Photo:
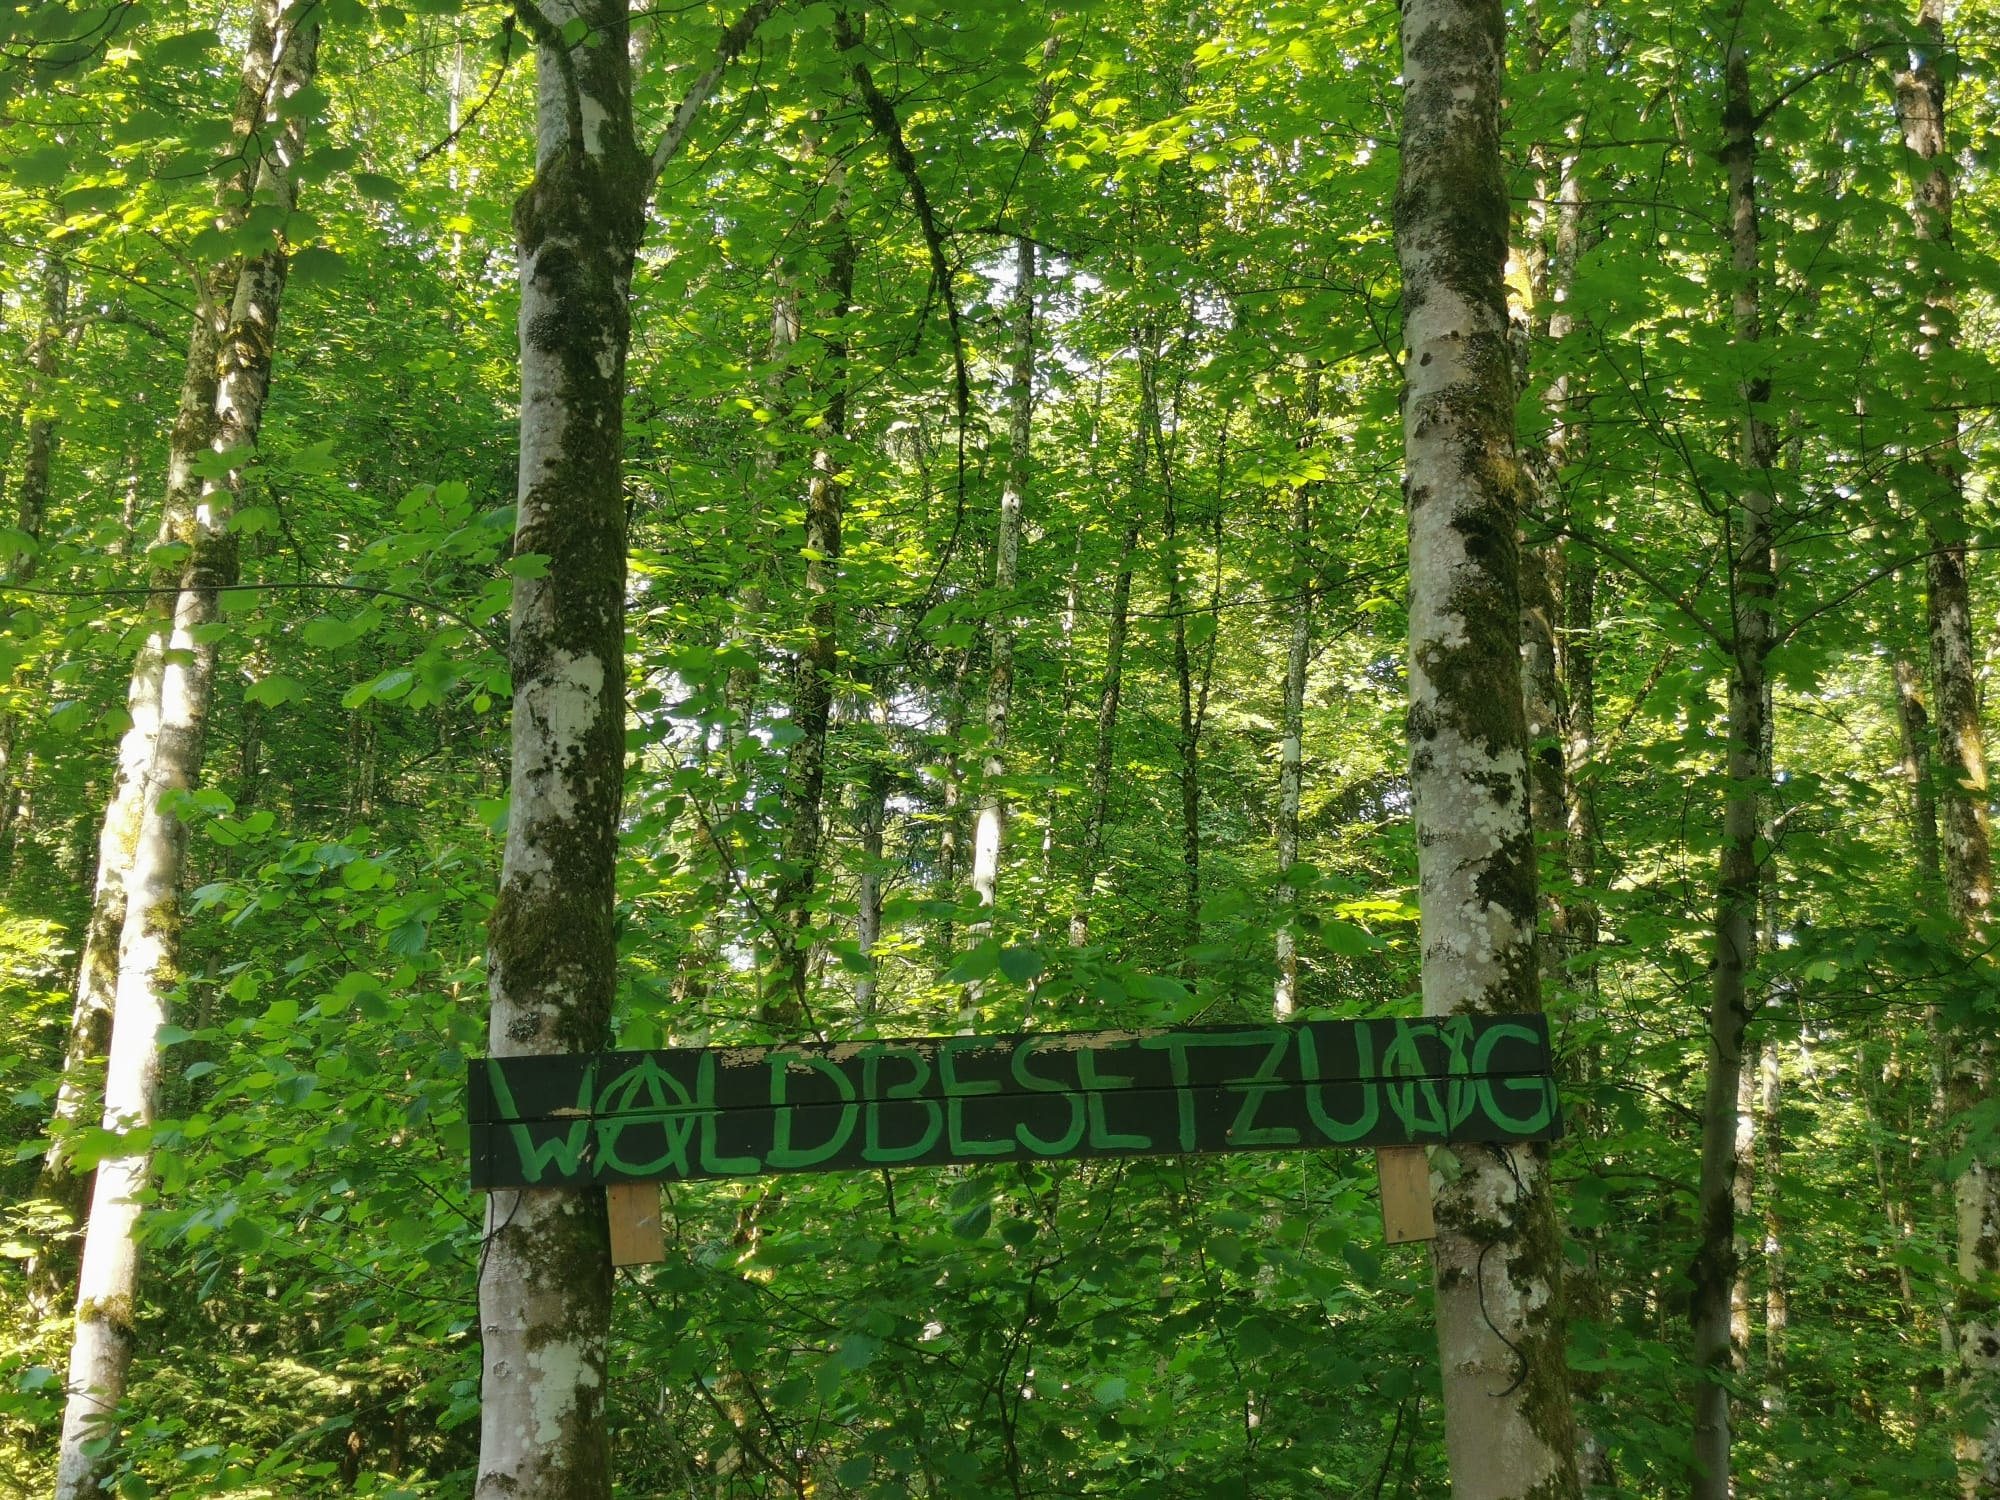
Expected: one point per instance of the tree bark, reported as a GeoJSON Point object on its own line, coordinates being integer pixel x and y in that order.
{"type": "Point", "coordinates": [1509, 1430]}
{"type": "Point", "coordinates": [1922, 93]}
{"type": "Point", "coordinates": [1188, 739]}
{"type": "Point", "coordinates": [1770, 1157]}
{"type": "Point", "coordinates": [817, 665]}
{"type": "Point", "coordinates": [989, 828]}
{"type": "Point", "coordinates": [32, 503]}
{"type": "Point", "coordinates": [1108, 691]}
{"type": "Point", "coordinates": [194, 425]}
{"type": "Point", "coordinates": [149, 939]}
{"type": "Point", "coordinates": [1291, 764]}
{"type": "Point", "coordinates": [545, 1268]}
{"type": "Point", "coordinates": [1740, 873]}
{"type": "Point", "coordinates": [545, 1275]}
{"type": "Point", "coordinates": [1913, 722]}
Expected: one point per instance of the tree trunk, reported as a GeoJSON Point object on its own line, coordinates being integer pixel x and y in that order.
{"type": "Point", "coordinates": [1771, 1147]}
{"type": "Point", "coordinates": [194, 426]}
{"type": "Point", "coordinates": [1291, 766]}
{"type": "Point", "coordinates": [545, 1268]}
{"type": "Point", "coordinates": [45, 359]}
{"type": "Point", "coordinates": [1913, 721]}
{"type": "Point", "coordinates": [1107, 734]}
{"type": "Point", "coordinates": [1509, 1430]}
{"type": "Point", "coordinates": [1188, 739]}
{"type": "Point", "coordinates": [32, 507]}
{"type": "Point", "coordinates": [1744, 1190]}
{"type": "Point", "coordinates": [149, 940]}
{"type": "Point", "coordinates": [989, 829]}
{"type": "Point", "coordinates": [1740, 874]}
{"type": "Point", "coordinates": [813, 673]}
{"type": "Point", "coordinates": [1921, 98]}
{"type": "Point", "coordinates": [868, 901]}
{"type": "Point", "coordinates": [1291, 763]}
{"type": "Point", "coordinates": [545, 1275]}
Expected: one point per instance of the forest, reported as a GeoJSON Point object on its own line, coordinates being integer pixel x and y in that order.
{"type": "Point", "coordinates": [544, 527]}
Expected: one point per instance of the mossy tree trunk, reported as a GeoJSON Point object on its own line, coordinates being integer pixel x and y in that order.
{"type": "Point", "coordinates": [1509, 1432]}
{"type": "Point", "coordinates": [817, 666]}
{"type": "Point", "coordinates": [989, 827]}
{"type": "Point", "coordinates": [149, 939]}
{"type": "Point", "coordinates": [193, 427]}
{"type": "Point", "coordinates": [545, 1275]}
{"type": "Point", "coordinates": [1913, 724]}
{"type": "Point", "coordinates": [1110, 686]}
{"type": "Point", "coordinates": [1922, 96]}
{"type": "Point", "coordinates": [1739, 871]}
{"type": "Point", "coordinates": [1291, 749]}
{"type": "Point", "coordinates": [545, 1267]}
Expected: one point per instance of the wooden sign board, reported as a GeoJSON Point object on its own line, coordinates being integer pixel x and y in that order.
{"type": "Point", "coordinates": [687, 1113]}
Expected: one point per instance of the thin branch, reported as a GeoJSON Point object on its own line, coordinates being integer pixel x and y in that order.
{"type": "Point", "coordinates": [493, 641]}
{"type": "Point", "coordinates": [1811, 76]}
{"type": "Point", "coordinates": [499, 77]}
{"type": "Point", "coordinates": [882, 115]}
{"type": "Point", "coordinates": [727, 49]}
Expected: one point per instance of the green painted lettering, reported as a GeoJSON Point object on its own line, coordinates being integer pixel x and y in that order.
{"type": "Point", "coordinates": [1175, 1044]}
{"type": "Point", "coordinates": [1523, 1125]}
{"type": "Point", "coordinates": [872, 1148]}
{"type": "Point", "coordinates": [711, 1161]}
{"type": "Point", "coordinates": [1340, 1132]}
{"type": "Point", "coordinates": [567, 1151]}
{"type": "Point", "coordinates": [1244, 1131]}
{"type": "Point", "coordinates": [639, 1097]}
{"type": "Point", "coordinates": [783, 1152]}
{"type": "Point", "coordinates": [956, 1091]}
{"type": "Point", "coordinates": [1102, 1136]}
{"type": "Point", "coordinates": [1018, 1065]}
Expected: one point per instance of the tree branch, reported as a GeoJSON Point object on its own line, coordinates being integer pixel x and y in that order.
{"type": "Point", "coordinates": [727, 49]}
{"type": "Point", "coordinates": [882, 115]}
{"type": "Point", "coordinates": [548, 39]}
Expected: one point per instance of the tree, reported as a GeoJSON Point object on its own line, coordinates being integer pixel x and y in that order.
{"type": "Point", "coordinates": [1508, 1424]}
{"type": "Point", "coordinates": [545, 1272]}
{"type": "Point", "coordinates": [278, 64]}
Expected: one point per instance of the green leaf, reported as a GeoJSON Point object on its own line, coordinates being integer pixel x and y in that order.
{"type": "Point", "coordinates": [856, 1352]}
{"type": "Point", "coordinates": [314, 458]}
{"type": "Point", "coordinates": [976, 965]}
{"type": "Point", "coordinates": [40, 166]}
{"type": "Point", "coordinates": [275, 691]}
{"type": "Point", "coordinates": [1021, 965]}
{"type": "Point", "coordinates": [377, 187]}
{"type": "Point", "coordinates": [854, 1471]}
{"type": "Point", "coordinates": [316, 265]}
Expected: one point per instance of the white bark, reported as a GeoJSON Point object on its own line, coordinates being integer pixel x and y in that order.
{"type": "Point", "coordinates": [194, 426]}
{"type": "Point", "coordinates": [1291, 763]}
{"type": "Point", "coordinates": [149, 942]}
{"type": "Point", "coordinates": [545, 1269]}
{"type": "Point", "coordinates": [1509, 1431]}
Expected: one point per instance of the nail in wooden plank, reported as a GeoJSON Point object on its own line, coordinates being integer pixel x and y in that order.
{"type": "Point", "coordinates": [1405, 1173]}
{"type": "Point", "coordinates": [637, 1238]}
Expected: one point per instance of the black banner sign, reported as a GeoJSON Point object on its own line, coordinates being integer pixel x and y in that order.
{"type": "Point", "coordinates": [696, 1112]}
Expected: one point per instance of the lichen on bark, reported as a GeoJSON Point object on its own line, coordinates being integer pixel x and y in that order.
{"type": "Point", "coordinates": [1498, 1256]}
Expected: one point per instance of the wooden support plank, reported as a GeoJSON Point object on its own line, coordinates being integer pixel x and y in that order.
{"type": "Point", "coordinates": [1405, 1173]}
{"type": "Point", "coordinates": [637, 1236]}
